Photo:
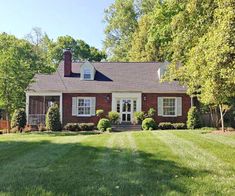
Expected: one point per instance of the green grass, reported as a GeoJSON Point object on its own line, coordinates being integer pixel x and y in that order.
{"type": "Point", "coordinates": [128, 163]}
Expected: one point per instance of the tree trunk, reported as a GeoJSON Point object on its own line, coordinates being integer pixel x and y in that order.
{"type": "Point", "coordinates": [221, 117]}
{"type": "Point", "coordinates": [7, 118]}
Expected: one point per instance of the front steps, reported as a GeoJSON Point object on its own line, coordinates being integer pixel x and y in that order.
{"type": "Point", "coordinates": [126, 127]}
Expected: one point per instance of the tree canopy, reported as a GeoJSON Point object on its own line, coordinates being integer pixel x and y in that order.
{"type": "Point", "coordinates": [196, 35]}
{"type": "Point", "coordinates": [21, 59]}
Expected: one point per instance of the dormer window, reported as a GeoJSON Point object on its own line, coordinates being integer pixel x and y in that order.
{"type": "Point", "coordinates": [87, 74]}
{"type": "Point", "coordinates": [87, 71]}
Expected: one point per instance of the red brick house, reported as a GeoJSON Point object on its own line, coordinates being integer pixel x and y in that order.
{"type": "Point", "coordinates": [81, 88]}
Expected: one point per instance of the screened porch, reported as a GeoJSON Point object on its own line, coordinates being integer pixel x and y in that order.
{"type": "Point", "coordinates": [37, 107]}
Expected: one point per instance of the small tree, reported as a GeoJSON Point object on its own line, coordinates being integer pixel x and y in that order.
{"type": "Point", "coordinates": [193, 121]}
{"type": "Point", "coordinates": [19, 119]}
{"type": "Point", "coordinates": [53, 122]}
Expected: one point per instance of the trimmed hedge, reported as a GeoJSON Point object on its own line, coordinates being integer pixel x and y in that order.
{"type": "Point", "coordinates": [103, 124]}
{"type": "Point", "coordinates": [149, 124]}
{"type": "Point", "coordinates": [87, 126]}
{"type": "Point", "coordinates": [139, 117]}
{"type": "Point", "coordinates": [114, 117]}
{"type": "Point", "coordinates": [165, 125]}
{"type": "Point", "coordinates": [178, 125]}
{"type": "Point", "coordinates": [72, 127]}
{"type": "Point", "coordinates": [79, 127]}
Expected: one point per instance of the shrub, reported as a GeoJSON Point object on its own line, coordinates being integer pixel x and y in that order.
{"type": "Point", "coordinates": [100, 113]}
{"type": "Point", "coordinates": [151, 112]}
{"type": "Point", "coordinates": [103, 124]}
{"type": "Point", "coordinates": [72, 127]}
{"type": "Point", "coordinates": [165, 125]}
{"type": "Point", "coordinates": [19, 119]}
{"type": "Point", "coordinates": [149, 124]}
{"type": "Point", "coordinates": [139, 117]}
{"type": "Point", "coordinates": [113, 117]}
{"type": "Point", "coordinates": [109, 129]}
{"type": "Point", "coordinates": [87, 126]}
{"type": "Point", "coordinates": [42, 127]}
{"type": "Point", "coordinates": [53, 118]}
{"type": "Point", "coordinates": [178, 125]}
{"type": "Point", "coordinates": [193, 121]}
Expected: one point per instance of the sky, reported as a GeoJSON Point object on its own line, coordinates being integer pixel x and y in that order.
{"type": "Point", "coordinates": [82, 19]}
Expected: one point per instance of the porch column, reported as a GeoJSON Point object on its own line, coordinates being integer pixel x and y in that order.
{"type": "Point", "coordinates": [61, 108]}
{"type": "Point", "coordinates": [27, 107]}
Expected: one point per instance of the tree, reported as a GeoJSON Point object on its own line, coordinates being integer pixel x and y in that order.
{"type": "Point", "coordinates": [19, 119]}
{"type": "Point", "coordinates": [193, 120]}
{"type": "Point", "coordinates": [18, 64]}
{"type": "Point", "coordinates": [209, 69]}
{"type": "Point", "coordinates": [121, 22]}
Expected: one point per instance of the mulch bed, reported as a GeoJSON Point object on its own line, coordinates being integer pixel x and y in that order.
{"type": "Point", "coordinates": [227, 132]}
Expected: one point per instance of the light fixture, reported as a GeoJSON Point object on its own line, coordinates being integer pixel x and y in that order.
{"type": "Point", "coordinates": [107, 97]}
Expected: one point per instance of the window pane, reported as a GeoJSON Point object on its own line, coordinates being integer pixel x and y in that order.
{"type": "Point", "coordinates": [87, 102]}
{"type": "Point", "coordinates": [80, 102]}
{"type": "Point", "coordinates": [123, 117]}
{"type": "Point", "coordinates": [128, 117]}
{"type": "Point", "coordinates": [87, 110]}
{"type": "Point", "coordinates": [87, 74]}
{"type": "Point", "coordinates": [80, 110]}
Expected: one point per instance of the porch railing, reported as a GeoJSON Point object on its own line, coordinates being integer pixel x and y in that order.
{"type": "Point", "coordinates": [36, 119]}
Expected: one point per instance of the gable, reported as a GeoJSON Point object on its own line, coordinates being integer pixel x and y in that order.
{"type": "Point", "coordinates": [87, 69]}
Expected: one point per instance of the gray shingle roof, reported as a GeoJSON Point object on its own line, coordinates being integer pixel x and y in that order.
{"type": "Point", "coordinates": [110, 77]}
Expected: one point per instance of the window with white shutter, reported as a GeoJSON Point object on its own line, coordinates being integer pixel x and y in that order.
{"type": "Point", "coordinates": [83, 106]}
{"type": "Point", "coordinates": [170, 106]}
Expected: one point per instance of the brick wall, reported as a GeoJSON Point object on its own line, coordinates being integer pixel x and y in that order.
{"type": "Point", "coordinates": [101, 103]}
{"type": "Point", "coordinates": [150, 100]}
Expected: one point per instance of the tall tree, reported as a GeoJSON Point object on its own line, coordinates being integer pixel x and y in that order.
{"type": "Point", "coordinates": [209, 69]}
{"type": "Point", "coordinates": [18, 64]}
{"type": "Point", "coordinates": [121, 22]}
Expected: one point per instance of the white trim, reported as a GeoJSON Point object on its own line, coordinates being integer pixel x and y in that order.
{"type": "Point", "coordinates": [111, 91]}
{"type": "Point", "coordinates": [127, 95]}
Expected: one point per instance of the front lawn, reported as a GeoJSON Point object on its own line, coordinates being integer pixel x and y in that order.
{"type": "Point", "coordinates": [128, 163]}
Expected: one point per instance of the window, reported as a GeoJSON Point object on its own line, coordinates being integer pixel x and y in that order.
{"type": "Point", "coordinates": [169, 106]}
{"type": "Point", "coordinates": [87, 74]}
{"type": "Point", "coordinates": [84, 106]}
{"type": "Point", "coordinates": [134, 105]}
{"type": "Point", "coordinates": [118, 105]}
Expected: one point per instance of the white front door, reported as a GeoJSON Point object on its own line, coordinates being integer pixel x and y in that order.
{"type": "Point", "coordinates": [126, 110]}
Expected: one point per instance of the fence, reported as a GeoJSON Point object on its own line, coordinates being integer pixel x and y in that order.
{"type": "Point", "coordinates": [3, 124]}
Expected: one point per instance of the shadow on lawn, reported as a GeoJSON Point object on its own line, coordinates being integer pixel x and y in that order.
{"type": "Point", "coordinates": [64, 133]}
{"type": "Point", "coordinates": [85, 169]}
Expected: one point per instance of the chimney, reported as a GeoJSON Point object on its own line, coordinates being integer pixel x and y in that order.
{"type": "Point", "coordinates": [67, 63]}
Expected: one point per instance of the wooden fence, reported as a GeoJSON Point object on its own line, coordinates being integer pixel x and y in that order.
{"type": "Point", "coordinates": [3, 124]}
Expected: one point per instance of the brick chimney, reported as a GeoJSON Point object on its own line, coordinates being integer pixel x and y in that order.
{"type": "Point", "coordinates": [67, 63]}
